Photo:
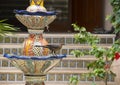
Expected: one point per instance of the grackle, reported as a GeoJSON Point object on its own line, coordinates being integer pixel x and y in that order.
{"type": "Point", "coordinates": [52, 47]}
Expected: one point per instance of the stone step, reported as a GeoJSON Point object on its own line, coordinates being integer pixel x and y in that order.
{"type": "Point", "coordinates": [66, 49]}
{"type": "Point", "coordinates": [54, 83]}
{"type": "Point", "coordinates": [70, 46]}
{"type": "Point", "coordinates": [13, 70]}
{"type": "Point", "coordinates": [66, 38]}
{"type": "Point", "coordinates": [12, 82]}
{"type": "Point", "coordinates": [59, 35]}
{"type": "Point", "coordinates": [80, 83]}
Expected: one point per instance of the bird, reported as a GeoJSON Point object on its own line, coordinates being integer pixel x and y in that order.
{"type": "Point", "coordinates": [52, 47]}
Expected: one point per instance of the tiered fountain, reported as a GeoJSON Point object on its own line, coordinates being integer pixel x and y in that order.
{"type": "Point", "coordinates": [35, 61]}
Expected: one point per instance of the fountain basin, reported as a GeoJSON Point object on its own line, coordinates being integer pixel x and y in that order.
{"type": "Point", "coordinates": [35, 20]}
{"type": "Point", "coordinates": [34, 65]}
{"type": "Point", "coordinates": [34, 68]}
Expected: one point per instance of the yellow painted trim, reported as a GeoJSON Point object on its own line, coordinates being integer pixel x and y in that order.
{"type": "Point", "coordinates": [39, 2]}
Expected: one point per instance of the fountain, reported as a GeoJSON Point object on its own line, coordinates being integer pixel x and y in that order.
{"type": "Point", "coordinates": [38, 57]}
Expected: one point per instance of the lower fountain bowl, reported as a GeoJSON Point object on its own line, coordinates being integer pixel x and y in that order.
{"type": "Point", "coordinates": [34, 65]}
{"type": "Point", "coordinates": [34, 68]}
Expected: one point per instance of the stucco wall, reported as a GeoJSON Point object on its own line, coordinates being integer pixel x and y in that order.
{"type": "Point", "coordinates": [116, 69]}
{"type": "Point", "coordinates": [107, 11]}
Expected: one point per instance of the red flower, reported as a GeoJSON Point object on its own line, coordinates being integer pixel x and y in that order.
{"type": "Point", "coordinates": [117, 56]}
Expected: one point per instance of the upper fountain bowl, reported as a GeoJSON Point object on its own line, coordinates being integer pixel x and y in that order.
{"type": "Point", "coordinates": [35, 17]}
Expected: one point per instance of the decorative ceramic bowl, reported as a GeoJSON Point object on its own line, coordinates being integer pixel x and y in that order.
{"type": "Point", "coordinates": [35, 22]}
{"type": "Point", "coordinates": [34, 68]}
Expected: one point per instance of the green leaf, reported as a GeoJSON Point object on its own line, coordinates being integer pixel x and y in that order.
{"type": "Point", "coordinates": [74, 80]}
{"type": "Point", "coordinates": [83, 29]}
{"type": "Point", "coordinates": [3, 20]}
{"type": "Point", "coordinates": [77, 53]}
{"type": "Point", "coordinates": [108, 17]}
{"type": "Point", "coordinates": [6, 28]}
{"type": "Point", "coordinates": [76, 27]}
{"type": "Point", "coordinates": [102, 55]}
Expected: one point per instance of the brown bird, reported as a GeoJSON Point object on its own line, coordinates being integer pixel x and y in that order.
{"type": "Point", "coordinates": [52, 47]}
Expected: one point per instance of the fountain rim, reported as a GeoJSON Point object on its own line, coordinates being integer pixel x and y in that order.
{"type": "Point", "coordinates": [39, 13]}
{"type": "Point", "coordinates": [14, 56]}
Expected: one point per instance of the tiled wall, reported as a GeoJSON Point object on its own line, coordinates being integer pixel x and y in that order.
{"type": "Point", "coordinates": [11, 77]}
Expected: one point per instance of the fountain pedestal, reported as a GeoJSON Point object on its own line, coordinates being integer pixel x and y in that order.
{"type": "Point", "coordinates": [35, 80]}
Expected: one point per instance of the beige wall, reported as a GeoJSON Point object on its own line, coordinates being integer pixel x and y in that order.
{"type": "Point", "coordinates": [107, 11]}
{"type": "Point", "coordinates": [116, 69]}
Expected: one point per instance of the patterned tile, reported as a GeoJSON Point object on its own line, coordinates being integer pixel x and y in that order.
{"type": "Point", "coordinates": [19, 77]}
{"type": "Point", "coordinates": [59, 77]}
{"type": "Point", "coordinates": [4, 63]}
{"type": "Point", "coordinates": [69, 40]}
{"type": "Point", "coordinates": [90, 78]}
{"type": "Point", "coordinates": [82, 77]}
{"type": "Point", "coordinates": [1, 50]}
{"type": "Point", "coordinates": [97, 79]}
{"type": "Point", "coordinates": [6, 50]}
{"type": "Point", "coordinates": [61, 40]}
{"type": "Point", "coordinates": [0, 63]}
{"type": "Point", "coordinates": [86, 51]}
{"type": "Point", "coordinates": [66, 77]}
{"type": "Point", "coordinates": [55, 40]}
{"type": "Point", "coordinates": [11, 77]}
{"type": "Point", "coordinates": [7, 39]}
{"type": "Point", "coordinates": [65, 63]}
{"type": "Point", "coordinates": [72, 64]}
{"type": "Point", "coordinates": [51, 77]}
{"type": "Point", "coordinates": [21, 40]}
{"type": "Point", "coordinates": [102, 40]}
{"type": "Point", "coordinates": [14, 50]}
{"type": "Point", "coordinates": [3, 77]}
{"type": "Point", "coordinates": [80, 64]}
{"type": "Point", "coordinates": [64, 51]}
{"type": "Point", "coordinates": [1, 39]}
{"type": "Point", "coordinates": [109, 40]}
{"type": "Point", "coordinates": [20, 51]}
{"type": "Point", "coordinates": [14, 40]}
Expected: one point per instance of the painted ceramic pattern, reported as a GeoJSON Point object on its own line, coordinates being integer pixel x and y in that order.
{"type": "Point", "coordinates": [29, 48]}
{"type": "Point", "coordinates": [35, 67]}
{"type": "Point", "coordinates": [35, 22]}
